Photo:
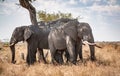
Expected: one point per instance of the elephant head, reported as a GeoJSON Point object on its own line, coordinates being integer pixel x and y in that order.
{"type": "Point", "coordinates": [85, 34]}
{"type": "Point", "coordinates": [19, 34]}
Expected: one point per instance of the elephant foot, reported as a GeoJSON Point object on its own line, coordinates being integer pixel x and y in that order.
{"type": "Point", "coordinates": [70, 63]}
{"type": "Point", "coordinates": [81, 60]}
{"type": "Point", "coordinates": [74, 62]}
{"type": "Point", "coordinates": [93, 59]}
{"type": "Point", "coordinates": [45, 62]}
{"type": "Point", "coordinates": [13, 62]}
{"type": "Point", "coordinates": [31, 62]}
{"type": "Point", "coordinates": [54, 62]}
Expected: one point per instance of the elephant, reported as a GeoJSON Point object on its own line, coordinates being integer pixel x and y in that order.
{"type": "Point", "coordinates": [71, 36]}
{"type": "Point", "coordinates": [36, 37]}
{"type": "Point", "coordinates": [62, 38]}
{"type": "Point", "coordinates": [17, 36]}
{"type": "Point", "coordinates": [33, 35]}
{"type": "Point", "coordinates": [21, 33]}
{"type": "Point", "coordinates": [85, 33]}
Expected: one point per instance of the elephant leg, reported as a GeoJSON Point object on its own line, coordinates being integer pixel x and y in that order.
{"type": "Point", "coordinates": [58, 56]}
{"type": "Point", "coordinates": [92, 52]}
{"type": "Point", "coordinates": [52, 56]}
{"type": "Point", "coordinates": [67, 56]}
{"type": "Point", "coordinates": [31, 55]}
{"type": "Point", "coordinates": [79, 50]}
{"type": "Point", "coordinates": [41, 55]}
{"type": "Point", "coordinates": [71, 49]}
{"type": "Point", "coordinates": [53, 52]}
{"type": "Point", "coordinates": [80, 53]}
{"type": "Point", "coordinates": [52, 49]}
{"type": "Point", "coordinates": [13, 54]}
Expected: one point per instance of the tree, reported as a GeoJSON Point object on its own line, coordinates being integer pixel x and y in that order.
{"type": "Point", "coordinates": [32, 11]}
{"type": "Point", "coordinates": [44, 16]}
{"type": "Point", "coordinates": [27, 5]}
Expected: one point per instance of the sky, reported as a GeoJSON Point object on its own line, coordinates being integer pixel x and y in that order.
{"type": "Point", "coordinates": [102, 15]}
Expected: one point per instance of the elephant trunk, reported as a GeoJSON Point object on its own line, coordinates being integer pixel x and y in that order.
{"type": "Point", "coordinates": [92, 44]}
{"type": "Point", "coordinates": [11, 44]}
{"type": "Point", "coordinates": [12, 47]}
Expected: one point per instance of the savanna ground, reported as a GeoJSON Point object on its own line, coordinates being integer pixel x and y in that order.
{"type": "Point", "coordinates": [107, 63]}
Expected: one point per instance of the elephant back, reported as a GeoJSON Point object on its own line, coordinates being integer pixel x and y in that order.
{"type": "Point", "coordinates": [58, 22]}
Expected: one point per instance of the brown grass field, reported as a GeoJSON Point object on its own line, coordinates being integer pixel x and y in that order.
{"type": "Point", "coordinates": [107, 63]}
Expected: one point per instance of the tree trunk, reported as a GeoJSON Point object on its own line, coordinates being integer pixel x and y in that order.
{"type": "Point", "coordinates": [27, 5]}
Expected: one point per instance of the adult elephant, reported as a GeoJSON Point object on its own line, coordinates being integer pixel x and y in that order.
{"type": "Point", "coordinates": [70, 37]}
{"type": "Point", "coordinates": [36, 37]}
{"type": "Point", "coordinates": [62, 38]}
{"type": "Point", "coordinates": [17, 36]}
{"type": "Point", "coordinates": [85, 36]}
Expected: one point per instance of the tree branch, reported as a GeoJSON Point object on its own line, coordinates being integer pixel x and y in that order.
{"type": "Point", "coordinates": [32, 11]}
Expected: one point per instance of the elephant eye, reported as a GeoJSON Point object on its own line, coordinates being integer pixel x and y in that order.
{"type": "Point", "coordinates": [83, 30]}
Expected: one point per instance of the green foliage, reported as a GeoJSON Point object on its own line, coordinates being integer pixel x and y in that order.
{"type": "Point", "coordinates": [6, 44]}
{"type": "Point", "coordinates": [44, 16]}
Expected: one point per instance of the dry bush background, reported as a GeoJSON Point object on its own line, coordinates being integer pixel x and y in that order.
{"type": "Point", "coordinates": [107, 63]}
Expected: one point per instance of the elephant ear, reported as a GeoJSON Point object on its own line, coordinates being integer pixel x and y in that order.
{"type": "Point", "coordinates": [70, 29]}
{"type": "Point", "coordinates": [27, 33]}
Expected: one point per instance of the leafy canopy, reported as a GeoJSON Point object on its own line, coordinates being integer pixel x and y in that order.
{"type": "Point", "coordinates": [44, 16]}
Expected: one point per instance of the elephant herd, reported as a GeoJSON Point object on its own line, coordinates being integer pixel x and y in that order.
{"type": "Point", "coordinates": [62, 35]}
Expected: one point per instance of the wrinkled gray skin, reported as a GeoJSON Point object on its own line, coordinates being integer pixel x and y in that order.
{"type": "Point", "coordinates": [36, 37]}
{"type": "Point", "coordinates": [70, 36]}
{"type": "Point", "coordinates": [23, 33]}
{"type": "Point", "coordinates": [17, 36]}
{"type": "Point", "coordinates": [85, 33]}
{"type": "Point", "coordinates": [62, 38]}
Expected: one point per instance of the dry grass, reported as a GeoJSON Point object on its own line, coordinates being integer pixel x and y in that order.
{"type": "Point", "coordinates": [107, 63]}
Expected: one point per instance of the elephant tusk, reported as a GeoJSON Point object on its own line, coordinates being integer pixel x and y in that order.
{"type": "Point", "coordinates": [83, 43]}
{"type": "Point", "coordinates": [92, 44]}
{"type": "Point", "coordinates": [86, 42]}
{"type": "Point", "coordinates": [11, 44]}
{"type": "Point", "coordinates": [98, 46]}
